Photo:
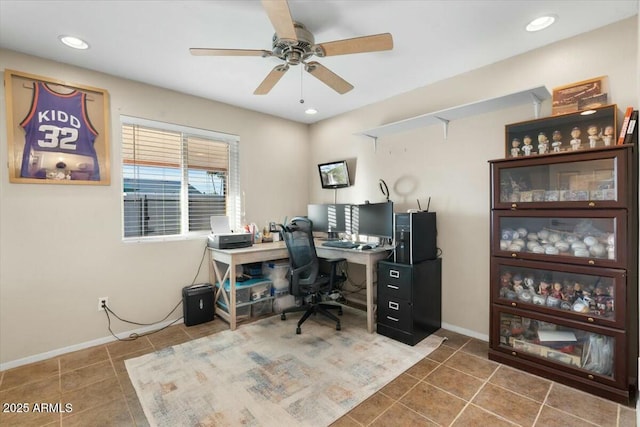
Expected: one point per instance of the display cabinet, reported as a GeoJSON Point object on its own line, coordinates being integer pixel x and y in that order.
{"type": "Point", "coordinates": [564, 267]}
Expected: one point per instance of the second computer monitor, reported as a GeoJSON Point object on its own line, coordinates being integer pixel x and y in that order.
{"type": "Point", "coordinates": [330, 218]}
{"type": "Point", "coordinates": [374, 219]}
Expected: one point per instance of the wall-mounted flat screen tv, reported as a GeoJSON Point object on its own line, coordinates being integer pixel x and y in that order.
{"type": "Point", "coordinates": [334, 174]}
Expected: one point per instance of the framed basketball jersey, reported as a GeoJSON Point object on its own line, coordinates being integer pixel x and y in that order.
{"type": "Point", "coordinates": [57, 132]}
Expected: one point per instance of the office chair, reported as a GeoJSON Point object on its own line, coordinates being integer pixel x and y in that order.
{"type": "Point", "coordinates": [305, 279]}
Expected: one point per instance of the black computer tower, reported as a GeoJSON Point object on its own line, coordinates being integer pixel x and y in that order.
{"type": "Point", "coordinates": [415, 235]}
{"type": "Point", "coordinates": [197, 304]}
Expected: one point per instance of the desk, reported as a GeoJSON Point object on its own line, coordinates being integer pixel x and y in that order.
{"type": "Point", "coordinates": [278, 250]}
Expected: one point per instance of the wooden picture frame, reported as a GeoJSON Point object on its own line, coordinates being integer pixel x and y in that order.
{"type": "Point", "coordinates": [579, 96]}
{"type": "Point", "coordinates": [65, 133]}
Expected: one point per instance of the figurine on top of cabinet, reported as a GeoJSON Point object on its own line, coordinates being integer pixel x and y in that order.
{"type": "Point", "coordinates": [527, 147]}
{"type": "Point", "coordinates": [515, 147]}
{"type": "Point", "coordinates": [557, 141]}
{"type": "Point", "coordinates": [592, 131]}
{"type": "Point", "coordinates": [576, 142]}
{"type": "Point", "coordinates": [608, 135]}
{"type": "Point", "coordinates": [543, 143]}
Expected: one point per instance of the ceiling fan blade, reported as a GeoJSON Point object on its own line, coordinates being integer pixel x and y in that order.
{"type": "Point", "coordinates": [197, 51]}
{"type": "Point", "coordinates": [375, 43]}
{"type": "Point", "coordinates": [272, 78]}
{"type": "Point", "coordinates": [328, 77]}
{"type": "Point", "coordinates": [280, 17]}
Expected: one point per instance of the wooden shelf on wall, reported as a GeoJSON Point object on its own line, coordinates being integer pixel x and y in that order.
{"type": "Point", "coordinates": [534, 96]}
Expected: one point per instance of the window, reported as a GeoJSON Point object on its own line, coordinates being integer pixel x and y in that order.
{"type": "Point", "coordinates": [175, 178]}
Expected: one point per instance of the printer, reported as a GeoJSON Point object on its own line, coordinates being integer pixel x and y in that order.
{"type": "Point", "coordinates": [229, 240]}
{"type": "Point", "coordinates": [221, 236]}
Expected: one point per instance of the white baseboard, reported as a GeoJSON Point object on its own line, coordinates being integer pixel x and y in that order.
{"type": "Point", "coordinates": [467, 332]}
{"type": "Point", "coordinates": [53, 353]}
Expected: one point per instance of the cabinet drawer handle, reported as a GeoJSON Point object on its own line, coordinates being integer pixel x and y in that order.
{"type": "Point", "coordinates": [591, 262]}
{"type": "Point", "coordinates": [394, 273]}
{"type": "Point", "coordinates": [393, 319]}
{"type": "Point", "coordinates": [514, 255]}
{"type": "Point", "coordinates": [514, 205]}
{"type": "Point", "coordinates": [513, 353]}
{"type": "Point", "coordinates": [590, 376]}
{"type": "Point", "coordinates": [514, 304]}
{"type": "Point", "coordinates": [592, 204]}
{"type": "Point", "coordinates": [394, 305]}
{"type": "Point", "coordinates": [393, 287]}
{"type": "Point", "coordinates": [590, 319]}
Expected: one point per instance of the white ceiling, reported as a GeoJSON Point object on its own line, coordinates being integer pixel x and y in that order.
{"type": "Point", "coordinates": [149, 41]}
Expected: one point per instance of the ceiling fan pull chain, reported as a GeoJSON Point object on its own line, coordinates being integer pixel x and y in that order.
{"type": "Point", "coordinates": [301, 97]}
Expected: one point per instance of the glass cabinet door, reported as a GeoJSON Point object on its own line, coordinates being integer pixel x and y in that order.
{"type": "Point", "coordinates": [590, 353]}
{"type": "Point", "coordinates": [583, 180]}
{"type": "Point", "coordinates": [587, 238]}
{"type": "Point", "coordinates": [586, 294]}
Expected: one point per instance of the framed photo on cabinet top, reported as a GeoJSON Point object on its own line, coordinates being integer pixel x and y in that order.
{"type": "Point", "coordinates": [579, 96]}
{"type": "Point", "coordinates": [57, 132]}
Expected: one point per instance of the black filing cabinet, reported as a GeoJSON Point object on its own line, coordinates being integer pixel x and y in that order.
{"type": "Point", "coordinates": [409, 300]}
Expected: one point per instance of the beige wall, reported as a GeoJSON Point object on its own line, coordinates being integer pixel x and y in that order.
{"type": "Point", "coordinates": [454, 172]}
{"type": "Point", "coordinates": [60, 246]}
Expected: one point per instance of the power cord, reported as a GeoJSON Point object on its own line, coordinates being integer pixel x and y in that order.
{"type": "Point", "coordinates": [134, 336]}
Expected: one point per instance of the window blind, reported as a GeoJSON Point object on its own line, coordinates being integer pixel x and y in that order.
{"type": "Point", "coordinates": [175, 178]}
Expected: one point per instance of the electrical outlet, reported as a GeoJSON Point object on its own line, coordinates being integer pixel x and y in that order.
{"type": "Point", "coordinates": [102, 303]}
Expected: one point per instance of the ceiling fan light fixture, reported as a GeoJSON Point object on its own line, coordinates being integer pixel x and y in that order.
{"type": "Point", "coordinates": [74, 42]}
{"type": "Point", "coordinates": [540, 23]}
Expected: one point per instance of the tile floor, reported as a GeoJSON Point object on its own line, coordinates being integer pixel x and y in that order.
{"type": "Point", "coordinates": [454, 386]}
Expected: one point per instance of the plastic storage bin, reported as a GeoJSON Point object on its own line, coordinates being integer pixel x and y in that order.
{"type": "Point", "coordinates": [260, 308]}
{"type": "Point", "coordinates": [277, 271]}
{"type": "Point", "coordinates": [248, 290]}
{"type": "Point", "coordinates": [242, 312]}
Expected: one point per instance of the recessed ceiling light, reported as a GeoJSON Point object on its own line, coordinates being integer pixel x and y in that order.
{"type": "Point", "coordinates": [541, 23]}
{"type": "Point", "coordinates": [74, 42]}
{"type": "Point", "coordinates": [310, 111]}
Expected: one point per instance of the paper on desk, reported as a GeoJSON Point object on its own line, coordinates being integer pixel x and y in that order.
{"type": "Point", "coordinates": [219, 224]}
{"type": "Point", "coordinates": [556, 336]}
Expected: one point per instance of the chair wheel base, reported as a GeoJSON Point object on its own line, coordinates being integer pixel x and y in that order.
{"type": "Point", "coordinates": [298, 330]}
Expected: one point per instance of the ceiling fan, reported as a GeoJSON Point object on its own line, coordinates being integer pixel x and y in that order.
{"type": "Point", "coordinates": [295, 45]}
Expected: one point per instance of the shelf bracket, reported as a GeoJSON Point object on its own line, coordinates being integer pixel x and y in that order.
{"type": "Point", "coordinates": [537, 102]}
{"type": "Point", "coordinates": [375, 141]}
{"type": "Point", "coordinates": [445, 125]}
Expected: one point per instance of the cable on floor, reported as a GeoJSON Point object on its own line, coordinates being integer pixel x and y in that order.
{"type": "Point", "coordinates": [134, 336]}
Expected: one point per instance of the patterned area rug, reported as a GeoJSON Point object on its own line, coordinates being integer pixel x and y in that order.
{"type": "Point", "coordinates": [263, 374]}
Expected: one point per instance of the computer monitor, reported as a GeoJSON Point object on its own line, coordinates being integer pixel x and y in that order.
{"type": "Point", "coordinates": [374, 219]}
{"type": "Point", "coordinates": [330, 218]}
